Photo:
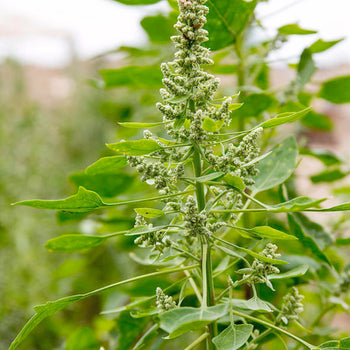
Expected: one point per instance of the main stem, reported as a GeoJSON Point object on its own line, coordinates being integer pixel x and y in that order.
{"type": "Point", "coordinates": [206, 261]}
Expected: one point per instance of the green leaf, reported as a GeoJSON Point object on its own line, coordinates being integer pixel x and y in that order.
{"type": "Point", "coordinates": [283, 118]}
{"type": "Point", "coordinates": [137, 77]}
{"type": "Point", "coordinates": [129, 330]}
{"type": "Point", "coordinates": [147, 336]}
{"type": "Point", "coordinates": [234, 106]}
{"type": "Point", "coordinates": [135, 148]}
{"type": "Point", "coordinates": [210, 177]}
{"type": "Point", "coordinates": [149, 212]}
{"type": "Point", "coordinates": [212, 125]}
{"type": "Point", "coordinates": [185, 319]}
{"type": "Point", "coordinates": [306, 68]}
{"type": "Point", "coordinates": [340, 207]}
{"type": "Point", "coordinates": [72, 243]}
{"type": "Point", "coordinates": [294, 29]}
{"type": "Point", "coordinates": [321, 45]}
{"type": "Point", "coordinates": [177, 99]}
{"type": "Point", "coordinates": [107, 185]}
{"type": "Point", "coordinates": [318, 121]}
{"type": "Point", "coordinates": [138, 2]}
{"type": "Point", "coordinates": [158, 28]}
{"type": "Point", "coordinates": [226, 20]}
{"type": "Point", "coordinates": [336, 90]}
{"type": "Point", "coordinates": [307, 241]}
{"type": "Point", "coordinates": [106, 165]}
{"type": "Point", "coordinates": [295, 204]}
{"type": "Point", "coordinates": [233, 337]}
{"type": "Point", "coordinates": [343, 344]}
{"type": "Point", "coordinates": [271, 233]}
{"type": "Point", "coordinates": [254, 105]}
{"type": "Point", "coordinates": [296, 272]}
{"type": "Point", "coordinates": [254, 304]}
{"type": "Point", "coordinates": [83, 339]}
{"type": "Point", "coordinates": [234, 181]}
{"type": "Point", "coordinates": [277, 167]}
{"type": "Point", "coordinates": [327, 157]}
{"type": "Point", "coordinates": [83, 201]}
{"type": "Point", "coordinates": [329, 175]}
{"type": "Point", "coordinates": [132, 125]}
{"type": "Point", "coordinates": [52, 307]}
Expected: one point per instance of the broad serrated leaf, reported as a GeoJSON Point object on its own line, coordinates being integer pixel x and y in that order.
{"type": "Point", "coordinates": [321, 45]}
{"type": "Point", "coordinates": [296, 272]}
{"type": "Point", "coordinates": [83, 201]}
{"type": "Point", "coordinates": [106, 165]}
{"type": "Point", "coordinates": [294, 29]}
{"type": "Point", "coordinates": [135, 148]}
{"type": "Point", "coordinates": [234, 181]}
{"type": "Point", "coordinates": [132, 125]}
{"type": "Point", "coordinates": [136, 77]}
{"type": "Point", "coordinates": [284, 118]}
{"type": "Point", "coordinates": [185, 319]}
{"type": "Point", "coordinates": [226, 20]}
{"type": "Point", "coordinates": [73, 243]}
{"type": "Point", "coordinates": [149, 212]}
{"type": "Point", "coordinates": [277, 167]}
{"type": "Point", "coordinates": [336, 90]}
{"type": "Point", "coordinates": [82, 339]}
{"type": "Point", "coordinates": [233, 337]}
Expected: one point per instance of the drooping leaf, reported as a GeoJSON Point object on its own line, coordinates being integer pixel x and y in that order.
{"type": "Point", "coordinates": [321, 45]}
{"type": "Point", "coordinates": [136, 77]}
{"type": "Point", "coordinates": [52, 307]}
{"type": "Point", "coordinates": [185, 319]}
{"type": "Point", "coordinates": [149, 212]}
{"type": "Point", "coordinates": [73, 243]}
{"type": "Point", "coordinates": [343, 344]}
{"type": "Point", "coordinates": [234, 181]}
{"type": "Point", "coordinates": [233, 337]}
{"type": "Point", "coordinates": [277, 167]}
{"type": "Point", "coordinates": [329, 175]}
{"type": "Point", "coordinates": [327, 157]}
{"type": "Point", "coordinates": [158, 28]}
{"type": "Point", "coordinates": [307, 241]}
{"type": "Point", "coordinates": [295, 204]}
{"type": "Point", "coordinates": [294, 29]}
{"type": "Point", "coordinates": [82, 339]}
{"type": "Point", "coordinates": [83, 201]}
{"type": "Point", "coordinates": [226, 20]}
{"type": "Point", "coordinates": [336, 90]}
{"type": "Point", "coordinates": [296, 272]}
{"type": "Point", "coordinates": [284, 118]}
{"type": "Point", "coordinates": [106, 184]}
{"type": "Point", "coordinates": [306, 68]}
{"type": "Point", "coordinates": [106, 165]}
{"type": "Point", "coordinates": [135, 148]}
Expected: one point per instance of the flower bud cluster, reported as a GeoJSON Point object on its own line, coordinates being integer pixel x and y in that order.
{"type": "Point", "coordinates": [157, 173]}
{"type": "Point", "coordinates": [155, 239]}
{"type": "Point", "coordinates": [292, 306]}
{"type": "Point", "coordinates": [194, 221]}
{"type": "Point", "coordinates": [164, 302]}
{"type": "Point", "coordinates": [235, 159]}
{"type": "Point", "coordinates": [261, 269]}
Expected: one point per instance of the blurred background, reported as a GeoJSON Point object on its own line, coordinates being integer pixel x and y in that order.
{"type": "Point", "coordinates": [55, 119]}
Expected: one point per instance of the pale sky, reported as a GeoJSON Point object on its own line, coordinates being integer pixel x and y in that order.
{"type": "Point", "coordinates": [35, 31]}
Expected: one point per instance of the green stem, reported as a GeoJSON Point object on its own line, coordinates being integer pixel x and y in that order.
{"type": "Point", "coordinates": [278, 329]}
{"type": "Point", "coordinates": [206, 262]}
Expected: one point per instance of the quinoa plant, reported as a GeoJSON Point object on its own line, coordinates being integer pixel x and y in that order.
{"type": "Point", "coordinates": [229, 284]}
